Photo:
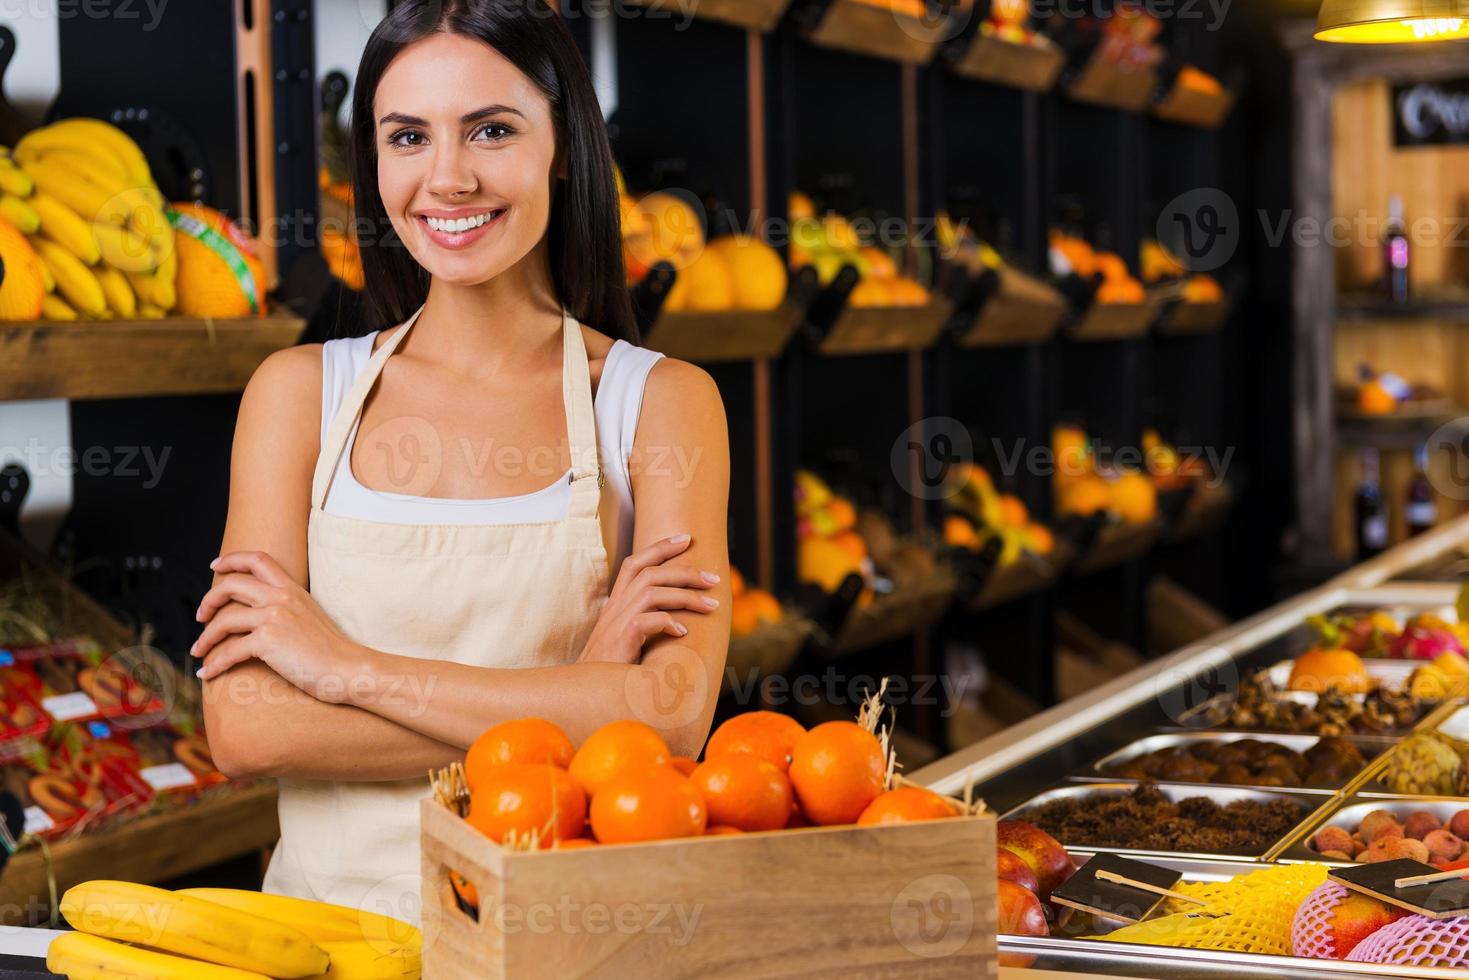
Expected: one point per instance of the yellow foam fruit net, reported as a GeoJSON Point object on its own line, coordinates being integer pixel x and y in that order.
{"type": "Point", "coordinates": [1248, 914]}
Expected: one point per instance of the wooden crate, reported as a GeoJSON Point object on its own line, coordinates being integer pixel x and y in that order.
{"type": "Point", "coordinates": [1117, 543]}
{"type": "Point", "coordinates": [768, 650]}
{"type": "Point", "coordinates": [911, 900]}
{"type": "Point", "coordinates": [1102, 82]}
{"type": "Point", "coordinates": [911, 606]}
{"type": "Point", "coordinates": [884, 329]}
{"type": "Point", "coordinates": [732, 335]}
{"type": "Point", "coordinates": [752, 15]}
{"type": "Point", "coordinates": [1027, 575]}
{"type": "Point", "coordinates": [877, 31]}
{"type": "Point", "coordinates": [1192, 108]}
{"type": "Point", "coordinates": [1119, 321]}
{"type": "Point", "coordinates": [1182, 318]}
{"type": "Point", "coordinates": [1021, 310]}
{"type": "Point", "coordinates": [1032, 67]}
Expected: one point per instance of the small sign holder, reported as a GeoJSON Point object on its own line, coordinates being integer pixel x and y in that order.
{"type": "Point", "coordinates": [1410, 885]}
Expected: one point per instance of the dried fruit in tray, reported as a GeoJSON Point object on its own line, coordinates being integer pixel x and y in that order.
{"type": "Point", "coordinates": [176, 760]}
{"type": "Point", "coordinates": [80, 774]}
{"type": "Point", "coordinates": [21, 714]}
{"type": "Point", "coordinates": [78, 682]}
{"type": "Point", "coordinates": [1261, 707]}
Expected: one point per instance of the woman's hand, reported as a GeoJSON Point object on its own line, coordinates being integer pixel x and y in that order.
{"type": "Point", "coordinates": [277, 622]}
{"type": "Point", "coordinates": [638, 607]}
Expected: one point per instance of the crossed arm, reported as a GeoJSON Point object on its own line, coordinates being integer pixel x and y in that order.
{"type": "Point", "coordinates": [269, 649]}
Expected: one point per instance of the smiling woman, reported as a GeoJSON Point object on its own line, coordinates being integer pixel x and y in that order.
{"type": "Point", "coordinates": [392, 582]}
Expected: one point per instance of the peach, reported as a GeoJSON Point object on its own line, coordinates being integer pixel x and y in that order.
{"type": "Point", "coordinates": [1443, 846]}
{"type": "Point", "coordinates": [1420, 824]}
{"type": "Point", "coordinates": [1375, 822]}
{"type": "Point", "coordinates": [1009, 866]}
{"type": "Point", "coordinates": [1333, 839]}
{"type": "Point", "coordinates": [1045, 855]}
{"type": "Point", "coordinates": [1459, 825]}
{"type": "Point", "coordinates": [1356, 918]}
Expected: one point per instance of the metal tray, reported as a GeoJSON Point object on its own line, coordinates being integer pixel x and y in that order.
{"type": "Point", "coordinates": [1222, 703]}
{"type": "Point", "coordinates": [1349, 815]}
{"type": "Point", "coordinates": [1309, 803]}
{"type": "Point", "coordinates": [1371, 784]}
{"type": "Point", "coordinates": [1456, 723]}
{"type": "Point", "coordinates": [1370, 748]}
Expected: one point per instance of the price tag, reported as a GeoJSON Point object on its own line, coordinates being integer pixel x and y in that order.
{"type": "Point", "coordinates": [172, 775]}
{"type": "Point", "coordinates": [65, 707]}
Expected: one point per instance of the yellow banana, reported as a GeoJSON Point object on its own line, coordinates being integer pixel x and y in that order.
{"type": "Point", "coordinates": [147, 311]}
{"type": "Point", "coordinates": [16, 211]}
{"type": "Point", "coordinates": [48, 278]}
{"type": "Point", "coordinates": [86, 199]}
{"type": "Point", "coordinates": [367, 960]}
{"type": "Point", "coordinates": [141, 210]}
{"type": "Point", "coordinates": [153, 289]}
{"type": "Point", "coordinates": [14, 180]}
{"type": "Point", "coordinates": [78, 956]}
{"type": "Point", "coordinates": [101, 171]}
{"type": "Point", "coordinates": [319, 920]}
{"type": "Point", "coordinates": [124, 249]}
{"type": "Point", "coordinates": [81, 130]}
{"type": "Point", "coordinates": [55, 308]}
{"type": "Point", "coordinates": [190, 926]}
{"type": "Point", "coordinates": [77, 283]}
{"type": "Point", "coordinates": [119, 293]}
{"type": "Point", "coordinates": [66, 228]}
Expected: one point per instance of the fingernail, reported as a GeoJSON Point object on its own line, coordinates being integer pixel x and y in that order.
{"type": "Point", "coordinates": [199, 614]}
{"type": "Point", "coordinates": [680, 629]}
{"type": "Point", "coordinates": [710, 577]}
{"type": "Point", "coordinates": [200, 673]}
{"type": "Point", "coordinates": [710, 601]}
{"type": "Point", "coordinates": [680, 539]}
{"type": "Point", "coordinates": [195, 648]}
{"type": "Point", "coordinates": [214, 563]}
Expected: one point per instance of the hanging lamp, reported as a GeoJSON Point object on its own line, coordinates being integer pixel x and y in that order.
{"type": "Point", "coordinates": [1392, 21]}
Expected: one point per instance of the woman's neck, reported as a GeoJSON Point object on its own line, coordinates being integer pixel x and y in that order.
{"type": "Point", "coordinates": [513, 318]}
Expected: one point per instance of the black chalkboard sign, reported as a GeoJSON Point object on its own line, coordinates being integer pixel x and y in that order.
{"type": "Point", "coordinates": [1431, 113]}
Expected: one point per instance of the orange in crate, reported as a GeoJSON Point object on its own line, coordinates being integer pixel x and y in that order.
{"type": "Point", "coordinates": [905, 805]}
{"type": "Point", "coordinates": [655, 803]}
{"type": "Point", "coordinates": [520, 740]}
{"type": "Point", "coordinates": [837, 769]}
{"type": "Point", "coordinates": [518, 799]}
{"type": "Point", "coordinates": [616, 746]}
{"type": "Point", "coordinates": [744, 791]}
{"type": "Point", "coordinates": [767, 735]}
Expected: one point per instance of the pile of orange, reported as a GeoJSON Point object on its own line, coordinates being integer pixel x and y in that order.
{"type": "Point", "coordinates": [1072, 253]}
{"type": "Point", "coordinates": [761, 771]}
{"type": "Point", "coordinates": [1082, 489]}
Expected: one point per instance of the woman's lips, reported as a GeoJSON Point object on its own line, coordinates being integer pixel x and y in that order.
{"type": "Point", "coordinates": [460, 239]}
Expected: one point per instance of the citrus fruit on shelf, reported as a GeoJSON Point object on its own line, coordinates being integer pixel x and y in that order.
{"type": "Point", "coordinates": [651, 803]}
{"type": "Point", "coordinates": [744, 791]}
{"type": "Point", "coordinates": [613, 747]}
{"type": "Point", "coordinates": [837, 769]}
{"type": "Point", "coordinates": [521, 797]}
{"type": "Point", "coordinates": [521, 740]}
{"type": "Point", "coordinates": [905, 805]}
{"type": "Point", "coordinates": [767, 735]}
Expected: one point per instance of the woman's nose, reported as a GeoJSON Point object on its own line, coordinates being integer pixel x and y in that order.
{"type": "Point", "coordinates": [451, 173]}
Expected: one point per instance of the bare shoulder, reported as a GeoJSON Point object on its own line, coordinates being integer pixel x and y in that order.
{"type": "Point", "coordinates": [680, 397]}
{"type": "Point", "coordinates": [285, 393]}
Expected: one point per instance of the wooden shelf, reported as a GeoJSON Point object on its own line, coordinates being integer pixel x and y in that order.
{"type": "Point", "coordinates": [1103, 83]}
{"type": "Point", "coordinates": [226, 824]}
{"type": "Point", "coordinates": [1390, 431]}
{"type": "Point", "coordinates": [752, 15]}
{"type": "Point", "coordinates": [1194, 318]}
{"type": "Point", "coordinates": [1019, 309]}
{"type": "Point", "coordinates": [1116, 543]}
{"type": "Point", "coordinates": [1028, 575]}
{"type": "Point", "coordinates": [908, 608]}
{"type": "Point", "coordinates": [1206, 509]}
{"type": "Point", "coordinates": [137, 358]}
{"type": "Point", "coordinates": [876, 31]}
{"type": "Point", "coordinates": [1118, 321]}
{"type": "Point", "coordinates": [1031, 67]}
{"type": "Point", "coordinates": [768, 650]}
{"type": "Point", "coordinates": [1442, 304]}
{"type": "Point", "coordinates": [1189, 107]}
{"type": "Point", "coordinates": [733, 335]}
{"type": "Point", "coordinates": [884, 329]}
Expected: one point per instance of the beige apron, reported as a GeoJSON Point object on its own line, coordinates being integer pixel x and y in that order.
{"type": "Point", "coordinates": [512, 595]}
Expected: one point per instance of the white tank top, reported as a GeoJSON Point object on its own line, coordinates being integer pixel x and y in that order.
{"type": "Point", "coordinates": [616, 405]}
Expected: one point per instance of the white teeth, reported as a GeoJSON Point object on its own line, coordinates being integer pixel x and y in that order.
{"type": "Point", "coordinates": [458, 224]}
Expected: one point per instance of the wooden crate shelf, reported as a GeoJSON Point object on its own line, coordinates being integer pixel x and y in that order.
{"type": "Point", "coordinates": [1028, 575]}
{"type": "Point", "coordinates": [1030, 67]}
{"type": "Point", "coordinates": [909, 607]}
{"type": "Point", "coordinates": [1116, 543]}
{"type": "Point", "coordinates": [1020, 309]}
{"type": "Point", "coordinates": [876, 31]}
{"type": "Point", "coordinates": [884, 329]}
{"type": "Point", "coordinates": [1206, 509]}
{"type": "Point", "coordinates": [137, 358]}
{"type": "Point", "coordinates": [752, 15]}
{"type": "Point", "coordinates": [1102, 82]}
{"type": "Point", "coordinates": [1119, 321]}
{"type": "Point", "coordinates": [1189, 107]}
{"type": "Point", "coordinates": [1194, 318]}
{"type": "Point", "coordinates": [768, 650]}
{"type": "Point", "coordinates": [733, 335]}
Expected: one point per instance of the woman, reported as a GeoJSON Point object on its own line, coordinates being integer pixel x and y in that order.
{"type": "Point", "coordinates": [438, 486]}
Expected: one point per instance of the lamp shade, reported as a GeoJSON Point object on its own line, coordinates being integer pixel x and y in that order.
{"type": "Point", "coordinates": [1392, 21]}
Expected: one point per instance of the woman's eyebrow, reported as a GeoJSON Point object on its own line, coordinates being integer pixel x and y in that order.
{"type": "Point", "coordinates": [469, 117]}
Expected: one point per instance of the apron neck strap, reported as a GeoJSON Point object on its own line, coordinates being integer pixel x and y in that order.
{"type": "Point", "coordinates": [576, 394]}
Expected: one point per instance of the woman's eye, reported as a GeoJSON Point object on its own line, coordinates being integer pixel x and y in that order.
{"type": "Point", "coordinates": [402, 138]}
{"type": "Point", "coordinates": [496, 131]}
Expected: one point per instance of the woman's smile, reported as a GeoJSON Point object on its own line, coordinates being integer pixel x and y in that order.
{"type": "Point", "coordinates": [459, 228]}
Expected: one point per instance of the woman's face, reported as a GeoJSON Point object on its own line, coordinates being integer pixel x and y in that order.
{"type": "Point", "coordinates": [466, 148]}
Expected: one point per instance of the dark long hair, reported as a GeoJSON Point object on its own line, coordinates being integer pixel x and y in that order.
{"type": "Point", "coordinates": [584, 235]}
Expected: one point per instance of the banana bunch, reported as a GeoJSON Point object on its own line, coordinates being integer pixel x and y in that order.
{"type": "Point", "coordinates": [131, 930]}
{"type": "Point", "coordinates": [81, 190]}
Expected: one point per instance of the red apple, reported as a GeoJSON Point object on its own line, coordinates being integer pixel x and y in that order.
{"type": "Point", "coordinates": [1045, 855]}
{"type": "Point", "coordinates": [1020, 914]}
{"type": "Point", "coordinates": [1011, 867]}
